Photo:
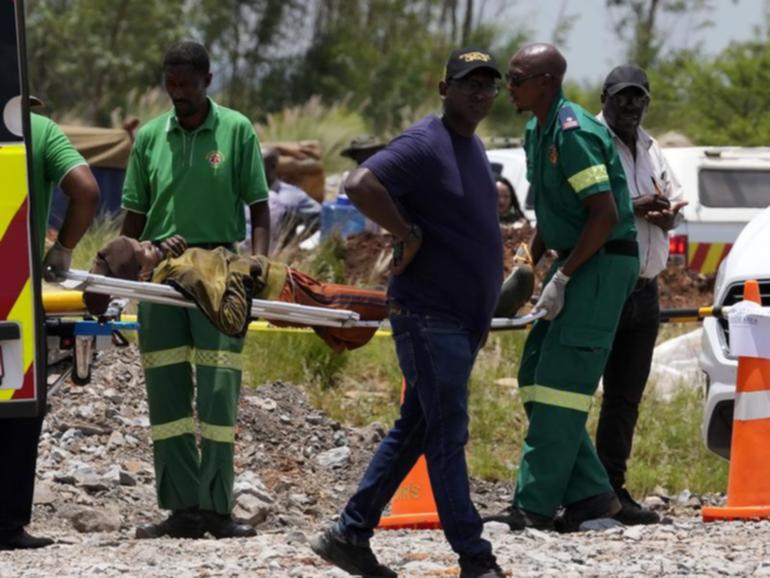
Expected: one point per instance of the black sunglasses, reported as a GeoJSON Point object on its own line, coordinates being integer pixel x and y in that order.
{"type": "Point", "coordinates": [632, 100]}
{"type": "Point", "coordinates": [518, 80]}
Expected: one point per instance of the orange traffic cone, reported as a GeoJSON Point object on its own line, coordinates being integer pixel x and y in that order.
{"type": "Point", "coordinates": [413, 505]}
{"type": "Point", "coordinates": [748, 485]}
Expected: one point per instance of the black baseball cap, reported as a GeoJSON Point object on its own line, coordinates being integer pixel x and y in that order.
{"type": "Point", "coordinates": [465, 60]}
{"type": "Point", "coordinates": [624, 76]}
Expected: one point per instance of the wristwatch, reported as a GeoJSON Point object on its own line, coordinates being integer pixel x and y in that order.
{"type": "Point", "coordinates": [415, 233]}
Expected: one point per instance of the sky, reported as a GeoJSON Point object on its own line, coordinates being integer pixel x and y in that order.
{"type": "Point", "coordinates": [593, 48]}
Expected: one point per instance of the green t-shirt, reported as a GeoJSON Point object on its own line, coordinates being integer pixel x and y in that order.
{"type": "Point", "coordinates": [53, 156]}
{"type": "Point", "coordinates": [572, 158]}
{"type": "Point", "coordinates": [195, 183]}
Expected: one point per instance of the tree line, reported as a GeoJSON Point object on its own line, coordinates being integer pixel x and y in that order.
{"type": "Point", "coordinates": [91, 58]}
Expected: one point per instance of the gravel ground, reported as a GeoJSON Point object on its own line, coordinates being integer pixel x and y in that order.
{"type": "Point", "coordinates": [686, 547]}
{"type": "Point", "coordinates": [296, 466]}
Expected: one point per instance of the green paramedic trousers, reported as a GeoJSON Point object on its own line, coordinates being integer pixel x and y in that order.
{"type": "Point", "coordinates": [560, 369]}
{"type": "Point", "coordinates": [172, 340]}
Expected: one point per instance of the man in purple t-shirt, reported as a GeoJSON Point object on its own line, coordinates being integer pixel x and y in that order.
{"type": "Point", "coordinates": [433, 189]}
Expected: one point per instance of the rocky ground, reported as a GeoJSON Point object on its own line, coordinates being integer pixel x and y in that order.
{"type": "Point", "coordinates": [296, 466]}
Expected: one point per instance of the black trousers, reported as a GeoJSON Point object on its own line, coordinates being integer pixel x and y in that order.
{"type": "Point", "coordinates": [18, 457]}
{"type": "Point", "coordinates": [625, 377]}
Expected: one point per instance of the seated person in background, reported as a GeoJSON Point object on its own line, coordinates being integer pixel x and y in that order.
{"type": "Point", "coordinates": [290, 206]}
{"type": "Point", "coordinates": [508, 207]}
{"type": "Point", "coordinates": [222, 285]}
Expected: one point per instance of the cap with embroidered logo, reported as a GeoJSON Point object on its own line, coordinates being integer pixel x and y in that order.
{"type": "Point", "coordinates": [465, 60]}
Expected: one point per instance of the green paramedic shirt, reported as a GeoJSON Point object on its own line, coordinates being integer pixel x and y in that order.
{"type": "Point", "coordinates": [195, 183]}
{"type": "Point", "coordinates": [573, 158]}
{"type": "Point", "coordinates": [53, 156]}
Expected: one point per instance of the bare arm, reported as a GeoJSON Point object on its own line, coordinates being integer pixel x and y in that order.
{"type": "Point", "coordinates": [133, 224]}
{"type": "Point", "coordinates": [260, 228]}
{"type": "Point", "coordinates": [602, 218]}
{"type": "Point", "coordinates": [372, 199]}
{"type": "Point", "coordinates": [536, 248]}
{"type": "Point", "coordinates": [80, 186]}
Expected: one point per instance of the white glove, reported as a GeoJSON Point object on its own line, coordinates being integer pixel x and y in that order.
{"type": "Point", "coordinates": [57, 261]}
{"type": "Point", "coordinates": [552, 298]}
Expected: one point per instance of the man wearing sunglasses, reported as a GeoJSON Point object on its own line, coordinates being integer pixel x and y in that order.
{"type": "Point", "coordinates": [583, 213]}
{"type": "Point", "coordinates": [432, 188]}
{"type": "Point", "coordinates": [657, 199]}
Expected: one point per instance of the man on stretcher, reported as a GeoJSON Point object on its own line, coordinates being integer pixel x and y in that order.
{"type": "Point", "coordinates": [222, 285]}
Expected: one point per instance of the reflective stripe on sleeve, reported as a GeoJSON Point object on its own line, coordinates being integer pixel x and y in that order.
{"type": "Point", "coordinates": [588, 177]}
{"type": "Point", "coordinates": [218, 433]}
{"type": "Point", "coordinates": [172, 429]}
{"type": "Point", "coordinates": [752, 405]}
{"type": "Point", "coordinates": [557, 397]}
{"type": "Point", "coordinates": [164, 357]}
{"type": "Point", "coordinates": [220, 359]}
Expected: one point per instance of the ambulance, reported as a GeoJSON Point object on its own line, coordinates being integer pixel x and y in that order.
{"type": "Point", "coordinates": [22, 346]}
{"type": "Point", "coordinates": [726, 187]}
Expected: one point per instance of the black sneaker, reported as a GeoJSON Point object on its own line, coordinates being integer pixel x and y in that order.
{"type": "Point", "coordinates": [357, 560]}
{"type": "Point", "coordinates": [632, 513]}
{"type": "Point", "coordinates": [180, 524]}
{"type": "Point", "coordinates": [518, 519]}
{"type": "Point", "coordinates": [224, 526]}
{"type": "Point", "coordinates": [601, 506]}
{"type": "Point", "coordinates": [20, 539]}
{"type": "Point", "coordinates": [480, 567]}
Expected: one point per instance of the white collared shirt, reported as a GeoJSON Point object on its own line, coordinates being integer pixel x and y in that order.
{"type": "Point", "coordinates": [649, 166]}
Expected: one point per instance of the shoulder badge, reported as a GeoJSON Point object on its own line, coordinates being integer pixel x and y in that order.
{"type": "Point", "coordinates": [568, 119]}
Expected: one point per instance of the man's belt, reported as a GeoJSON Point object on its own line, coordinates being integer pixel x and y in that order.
{"type": "Point", "coordinates": [617, 247]}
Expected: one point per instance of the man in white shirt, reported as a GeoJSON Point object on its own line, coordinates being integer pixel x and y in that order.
{"type": "Point", "coordinates": [657, 199]}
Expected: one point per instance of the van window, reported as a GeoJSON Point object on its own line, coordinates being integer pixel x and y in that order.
{"type": "Point", "coordinates": [742, 188]}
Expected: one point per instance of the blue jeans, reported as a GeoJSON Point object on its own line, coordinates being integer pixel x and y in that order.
{"type": "Point", "coordinates": [436, 357]}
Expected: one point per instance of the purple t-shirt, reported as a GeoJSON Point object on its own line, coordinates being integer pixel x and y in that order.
{"type": "Point", "coordinates": [443, 182]}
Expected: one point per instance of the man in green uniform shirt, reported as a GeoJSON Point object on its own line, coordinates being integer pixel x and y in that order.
{"type": "Point", "coordinates": [190, 173]}
{"type": "Point", "coordinates": [54, 162]}
{"type": "Point", "coordinates": [583, 213]}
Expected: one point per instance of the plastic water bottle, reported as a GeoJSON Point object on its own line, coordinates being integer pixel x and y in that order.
{"type": "Point", "coordinates": [341, 218]}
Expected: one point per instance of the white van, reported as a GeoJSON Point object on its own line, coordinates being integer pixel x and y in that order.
{"type": "Point", "coordinates": [726, 187]}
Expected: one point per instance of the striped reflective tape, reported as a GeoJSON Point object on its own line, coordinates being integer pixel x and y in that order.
{"type": "Point", "coordinates": [588, 177]}
{"type": "Point", "coordinates": [550, 396]}
{"type": "Point", "coordinates": [172, 429]}
{"type": "Point", "coordinates": [752, 405]}
{"type": "Point", "coordinates": [218, 433]}
{"type": "Point", "coordinates": [17, 302]}
{"type": "Point", "coordinates": [219, 359]}
{"type": "Point", "coordinates": [165, 357]}
{"type": "Point", "coordinates": [706, 257]}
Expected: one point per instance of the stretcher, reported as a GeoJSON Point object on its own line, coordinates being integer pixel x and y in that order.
{"type": "Point", "coordinates": [269, 310]}
{"type": "Point", "coordinates": [73, 343]}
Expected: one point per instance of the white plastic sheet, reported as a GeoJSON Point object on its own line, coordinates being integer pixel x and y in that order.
{"type": "Point", "coordinates": [749, 330]}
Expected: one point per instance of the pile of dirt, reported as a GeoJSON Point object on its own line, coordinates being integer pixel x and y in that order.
{"type": "Point", "coordinates": [679, 287]}
{"type": "Point", "coordinates": [684, 288]}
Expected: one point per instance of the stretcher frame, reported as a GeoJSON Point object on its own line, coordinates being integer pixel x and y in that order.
{"type": "Point", "coordinates": [268, 310]}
